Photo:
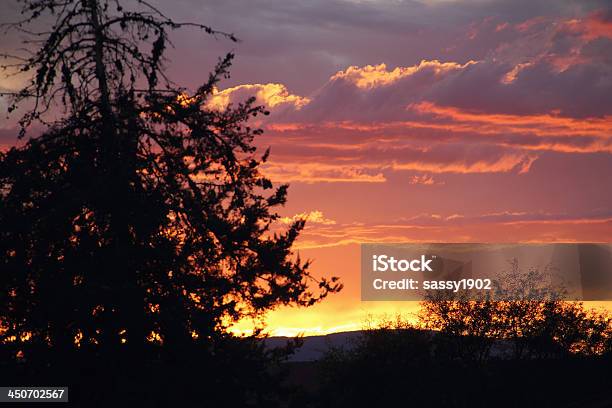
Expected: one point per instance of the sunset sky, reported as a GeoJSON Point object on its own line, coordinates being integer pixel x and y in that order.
{"type": "Point", "coordinates": [402, 121]}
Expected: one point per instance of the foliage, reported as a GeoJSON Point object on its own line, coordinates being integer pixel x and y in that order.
{"type": "Point", "coordinates": [140, 216]}
{"type": "Point", "coordinates": [465, 353]}
{"type": "Point", "coordinates": [532, 319]}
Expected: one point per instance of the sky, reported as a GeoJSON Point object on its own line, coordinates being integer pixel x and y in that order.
{"type": "Point", "coordinates": [413, 121]}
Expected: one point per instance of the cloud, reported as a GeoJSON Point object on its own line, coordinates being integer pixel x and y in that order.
{"type": "Point", "coordinates": [373, 76]}
{"type": "Point", "coordinates": [546, 124]}
{"type": "Point", "coordinates": [271, 95]}
{"type": "Point", "coordinates": [311, 217]}
{"type": "Point", "coordinates": [448, 125]}
{"type": "Point", "coordinates": [505, 163]}
{"type": "Point", "coordinates": [501, 226]}
{"type": "Point", "coordinates": [424, 179]}
{"type": "Point", "coordinates": [544, 87]}
{"type": "Point", "coordinates": [317, 172]}
{"type": "Point", "coordinates": [596, 25]}
{"type": "Point", "coordinates": [373, 92]}
{"type": "Point", "coordinates": [512, 75]}
{"type": "Point", "coordinates": [373, 161]}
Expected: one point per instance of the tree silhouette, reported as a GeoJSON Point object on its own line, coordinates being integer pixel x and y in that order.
{"type": "Point", "coordinates": [140, 216]}
{"type": "Point", "coordinates": [468, 357]}
{"type": "Point", "coordinates": [531, 320]}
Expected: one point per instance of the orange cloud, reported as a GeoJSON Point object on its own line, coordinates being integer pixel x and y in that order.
{"type": "Point", "coordinates": [590, 28]}
{"type": "Point", "coordinates": [573, 221]}
{"type": "Point", "coordinates": [287, 169]}
{"type": "Point", "coordinates": [511, 76]}
{"type": "Point", "coordinates": [312, 217]}
{"type": "Point", "coordinates": [531, 23]}
{"type": "Point", "coordinates": [541, 125]}
{"type": "Point", "coordinates": [556, 133]}
{"type": "Point", "coordinates": [503, 164]}
{"type": "Point", "coordinates": [584, 30]}
{"type": "Point", "coordinates": [509, 226]}
{"type": "Point", "coordinates": [372, 76]}
{"type": "Point", "coordinates": [315, 172]}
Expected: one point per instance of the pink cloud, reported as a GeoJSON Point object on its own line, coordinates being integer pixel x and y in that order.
{"type": "Point", "coordinates": [321, 172]}
{"type": "Point", "coordinates": [505, 163]}
{"type": "Point", "coordinates": [549, 124]}
{"type": "Point", "coordinates": [424, 179]}
{"type": "Point", "coordinates": [596, 25]}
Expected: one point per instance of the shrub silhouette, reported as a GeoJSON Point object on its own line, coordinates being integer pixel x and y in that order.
{"type": "Point", "coordinates": [536, 323]}
{"type": "Point", "coordinates": [477, 353]}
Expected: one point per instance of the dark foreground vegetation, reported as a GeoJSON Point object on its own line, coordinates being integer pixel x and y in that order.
{"type": "Point", "coordinates": [135, 223]}
{"type": "Point", "coordinates": [238, 374]}
{"type": "Point", "coordinates": [476, 354]}
{"type": "Point", "coordinates": [457, 354]}
{"type": "Point", "coordinates": [575, 382]}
